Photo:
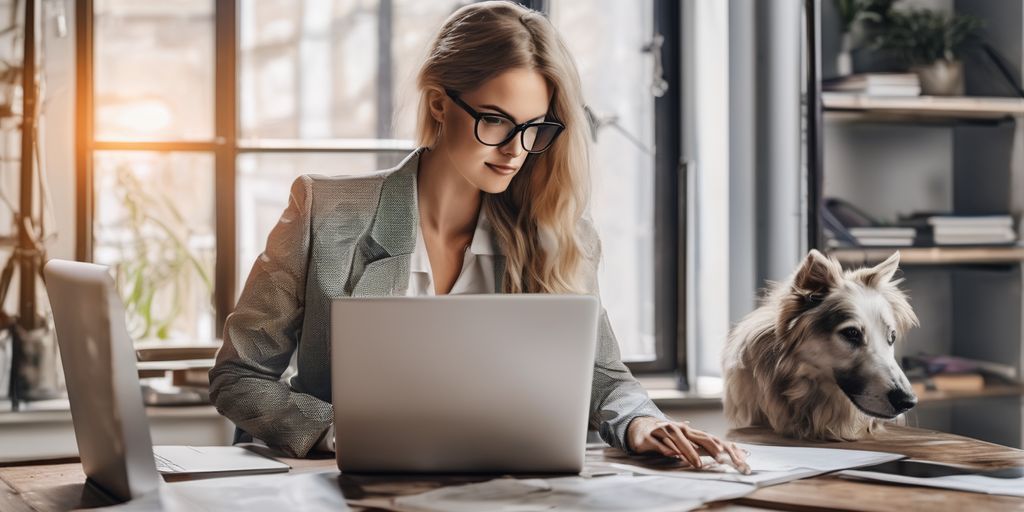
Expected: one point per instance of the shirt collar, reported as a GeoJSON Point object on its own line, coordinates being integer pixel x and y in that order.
{"type": "Point", "coordinates": [482, 242]}
{"type": "Point", "coordinates": [419, 261]}
{"type": "Point", "coordinates": [482, 245]}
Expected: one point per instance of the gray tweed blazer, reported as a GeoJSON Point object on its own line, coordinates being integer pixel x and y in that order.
{"type": "Point", "coordinates": [353, 236]}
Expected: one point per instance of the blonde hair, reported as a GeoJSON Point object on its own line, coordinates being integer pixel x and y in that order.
{"type": "Point", "coordinates": [535, 220]}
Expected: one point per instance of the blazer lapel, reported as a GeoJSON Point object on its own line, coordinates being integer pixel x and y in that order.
{"type": "Point", "coordinates": [384, 277]}
{"type": "Point", "coordinates": [394, 230]}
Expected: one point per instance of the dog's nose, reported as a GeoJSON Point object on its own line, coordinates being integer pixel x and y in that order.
{"type": "Point", "coordinates": [901, 400]}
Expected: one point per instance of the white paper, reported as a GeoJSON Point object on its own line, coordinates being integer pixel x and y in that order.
{"type": "Point", "coordinates": [969, 483]}
{"type": "Point", "coordinates": [270, 493]}
{"type": "Point", "coordinates": [570, 494]}
{"type": "Point", "coordinates": [770, 465]}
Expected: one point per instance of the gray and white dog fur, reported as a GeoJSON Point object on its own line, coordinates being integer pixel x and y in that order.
{"type": "Point", "coordinates": [816, 360]}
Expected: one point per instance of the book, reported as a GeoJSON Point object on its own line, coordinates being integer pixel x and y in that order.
{"type": "Point", "coordinates": [949, 382]}
{"type": "Point", "coordinates": [971, 220]}
{"type": "Point", "coordinates": [958, 382]}
{"type": "Point", "coordinates": [885, 242]}
{"type": "Point", "coordinates": [973, 230]}
{"type": "Point", "coordinates": [876, 84]}
{"type": "Point", "coordinates": [938, 229]}
{"type": "Point", "coordinates": [164, 351]}
{"type": "Point", "coordinates": [936, 364]}
{"type": "Point", "coordinates": [883, 236]}
{"type": "Point", "coordinates": [883, 232]}
{"type": "Point", "coordinates": [974, 239]}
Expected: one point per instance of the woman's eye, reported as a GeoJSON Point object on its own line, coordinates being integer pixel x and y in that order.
{"type": "Point", "coordinates": [852, 334]}
{"type": "Point", "coordinates": [492, 120]}
{"type": "Point", "coordinates": [892, 337]}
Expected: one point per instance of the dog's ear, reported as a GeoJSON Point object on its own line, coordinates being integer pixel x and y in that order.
{"type": "Point", "coordinates": [882, 273]}
{"type": "Point", "coordinates": [817, 275]}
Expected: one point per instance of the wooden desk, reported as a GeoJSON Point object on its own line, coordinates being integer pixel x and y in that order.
{"type": "Point", "coordinates": [834, 493]}
{"type": "Point", "coordinates": [58, 485]}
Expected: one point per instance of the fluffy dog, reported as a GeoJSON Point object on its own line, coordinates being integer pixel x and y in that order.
{"type": "Point", "coordinates": [816, 359]}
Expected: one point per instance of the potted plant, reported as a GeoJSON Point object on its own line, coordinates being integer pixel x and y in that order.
{"type": "Point", "coordinates": [932, 44]}
{"type": "Point", "coordinates": [159, 270]}
{"type": "Point", "coordinates": [858, 19]}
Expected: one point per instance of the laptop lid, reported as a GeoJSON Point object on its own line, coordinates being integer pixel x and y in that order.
{"type": "Point", "coordinates": [103, 387]}
{"type": "Point", "coordinates": [462, 384]}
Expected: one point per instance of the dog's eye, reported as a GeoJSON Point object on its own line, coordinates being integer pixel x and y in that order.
{"type": "Point", "coordinates": [852, 334]}
{"type": "Point", "coordinates": [892, 337]}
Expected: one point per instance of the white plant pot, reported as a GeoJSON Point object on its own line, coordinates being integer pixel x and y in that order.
{"type": "Point", "coordinates": [844, 60]}
{"type": "Point", "coordinates": [942, 78]}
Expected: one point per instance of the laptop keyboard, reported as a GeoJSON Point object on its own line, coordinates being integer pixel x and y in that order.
{"type": "Point", "coordinates": [163, 465]}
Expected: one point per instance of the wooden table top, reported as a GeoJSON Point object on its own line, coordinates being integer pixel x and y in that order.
{"type": "Point", "coordinates": [59, 485]}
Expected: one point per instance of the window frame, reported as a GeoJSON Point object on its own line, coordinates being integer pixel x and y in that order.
{"type": "Point", "coordinates": [226, 147]}
{"type": "Point", "coordinates": [670, 236]}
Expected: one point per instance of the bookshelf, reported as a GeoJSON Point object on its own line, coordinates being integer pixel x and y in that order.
{"type": "Point", "coordinates": [992, 391]}
{"type": "Point", "coordinates": [892, 156]}
{"type": "Point", "coordinates": [858, 256]}
{"type": "Point", "coordinates": [922, 108]}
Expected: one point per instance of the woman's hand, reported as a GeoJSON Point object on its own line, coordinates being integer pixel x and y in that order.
{"type": "Point", "coordinates": [647, 434]}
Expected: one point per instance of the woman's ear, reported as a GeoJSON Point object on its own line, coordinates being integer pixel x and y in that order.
{"type": "Point", "coordinates": [436, 103]}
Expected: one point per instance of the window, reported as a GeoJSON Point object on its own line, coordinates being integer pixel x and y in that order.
{"type": "Point", "coordinates": [607, 39]}
{"type": "Point", "coordinates": [152, 162]}
{"type": "Point", "coordinates": [223, 103]}
{"type": "Point", "coordinates": [325, 88]}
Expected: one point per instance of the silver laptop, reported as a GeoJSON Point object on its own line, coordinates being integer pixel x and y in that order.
{"type": "Point", "coordinates": [106, 400]}
{"type": "Point", "coordinates": [462, 384]}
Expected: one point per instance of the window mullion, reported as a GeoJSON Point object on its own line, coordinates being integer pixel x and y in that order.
{"type": "Point", "coordinates": [226, 139]}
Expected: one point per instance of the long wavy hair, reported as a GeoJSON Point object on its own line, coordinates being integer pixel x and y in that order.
{"type": "Point", "coordinates": [535, 219]}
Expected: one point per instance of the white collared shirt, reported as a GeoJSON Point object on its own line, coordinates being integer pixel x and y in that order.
{"type": "Point", "coordinates": [476, 276]}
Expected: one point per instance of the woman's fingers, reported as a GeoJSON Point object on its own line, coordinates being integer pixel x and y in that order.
{"type": "Point", "coordinates": [736, 456]}
{"type": "Point", "coordinates": [685, 446]}
{"type": "Point", "coordinates": [739, 458]}
{"type": "Point", "coordinates": [663, 443]}
{"type": "Point", "coordinates": [709, 443]}
{"type": "Point", "coordinates": [679, 440]}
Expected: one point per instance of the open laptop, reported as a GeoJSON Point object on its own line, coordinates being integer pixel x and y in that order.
{"type": "Point", "coordinates": [462, 384]}
{"type": "Point", "coordinates": [106, 399]}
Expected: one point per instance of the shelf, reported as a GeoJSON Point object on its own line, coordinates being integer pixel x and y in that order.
{"type": "Point", "coordinates": [934, 108]}
{"type": "Point", "coordinates": [1000, 255]}
{"type": "Point", "coordinates": [988, 391]}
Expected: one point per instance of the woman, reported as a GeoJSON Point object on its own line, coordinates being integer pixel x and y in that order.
{"type": "Point", "coordinates": [493, 202]}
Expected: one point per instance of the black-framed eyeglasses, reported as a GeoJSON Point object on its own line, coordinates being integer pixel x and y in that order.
{"type": "Point", "coordinates": [498, 129]}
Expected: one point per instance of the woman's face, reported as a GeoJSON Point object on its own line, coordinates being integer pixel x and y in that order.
{"type": "Point", "coordinates": [522, 94]}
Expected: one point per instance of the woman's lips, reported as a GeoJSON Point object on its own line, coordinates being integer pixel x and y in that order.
{"type": "Point", "coordinates": [503, 170]}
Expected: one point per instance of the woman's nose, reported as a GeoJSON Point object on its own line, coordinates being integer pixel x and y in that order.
{"type": "Point", "coordinates": [513, 148]}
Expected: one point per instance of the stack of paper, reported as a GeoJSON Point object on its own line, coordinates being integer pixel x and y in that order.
{"type": "Point", "coordinates": [262, 493]}
{"type": "Point", "coordinates": [770, 465]}
{"type": "Point", "coordinates": [884, 236]}
{"type": "Point", "coordinates": [877, 84]}
{"type": "Point", "coordinates": [973, 230]}
{"type": "Point", "coordinates": [570, 494]}
{"type": "Point", "coordinates": [1007, 482]}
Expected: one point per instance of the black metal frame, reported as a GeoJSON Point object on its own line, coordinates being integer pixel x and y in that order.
{"type": "Point", "coordinates": [670, 342]}
{"type": "Point", "coordinates": [812, 12]}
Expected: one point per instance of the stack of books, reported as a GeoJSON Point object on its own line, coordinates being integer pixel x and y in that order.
{"type": "Point", "coordinates": [883, 236]}
{"type": "Point", "coordinates": [951, 373]}
{"type": "Point", "coordinates": [972, 230]}
{"type": "Point", "coordinates": [876, 84]}
{"type": "Point", "coordinates": [175, 373]}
